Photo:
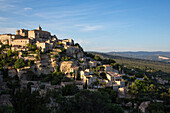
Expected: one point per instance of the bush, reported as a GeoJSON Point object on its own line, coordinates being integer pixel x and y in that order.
{"type": "Point", "coordinates": [19, 63]}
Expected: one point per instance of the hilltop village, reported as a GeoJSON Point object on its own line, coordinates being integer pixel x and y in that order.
{"type": "Point", "coordinates": [45, 53]}
{"type": "Point", "coordinates": [37, 60]}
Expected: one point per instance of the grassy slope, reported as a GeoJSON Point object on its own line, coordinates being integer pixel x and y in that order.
{"type": "Point", "coordinates": [132, 62]}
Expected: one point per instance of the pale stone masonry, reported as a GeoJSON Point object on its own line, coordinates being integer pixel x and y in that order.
{"type": "Point", "coordinates": [21, 42]}
{"type": "Point", "coordinates": [6, 38]}
{"type": "Point", "coordinates": [43, 39]}
{"type": "Point", "coordinates": [34, 34]}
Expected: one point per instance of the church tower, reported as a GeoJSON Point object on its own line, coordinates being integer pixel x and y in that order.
{"type": "Point", "coordinates": [39, 28]}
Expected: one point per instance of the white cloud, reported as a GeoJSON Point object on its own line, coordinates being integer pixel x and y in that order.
{"type": "Point", "coordinates": [27, 8]}
{"type": "Point", "coordinates": [6, 6]}
{"type": "Point", "coordinates": [89, 27]}
{"type": "Point", "coordinates": [82, 42]}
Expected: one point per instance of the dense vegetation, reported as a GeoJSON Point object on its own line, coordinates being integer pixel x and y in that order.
{"type": "Point", "coordinates": [141, 90]}
{"type": "Point", "coordinates": [68, 99]}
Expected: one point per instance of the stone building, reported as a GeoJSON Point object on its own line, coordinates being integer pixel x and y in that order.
{"type": "Point", "coordinates": [65, 66]}
{"type": "Point", "coordinates": [6, 38]}
{"type": "Point", "coordinates": [22, 32]}
{"type": "Point", "coordinates": [21, 42]}
{"type": "Point", "coordinates": [43, 46]}
{"type": "Point", "coordinates": [39, 34]}
{"type": "Point", "coordinates": [68, 42]}
{"type": "Point", "coordinates": [108, 68]}
{"type": "Point", "coordinates": [112, 76]}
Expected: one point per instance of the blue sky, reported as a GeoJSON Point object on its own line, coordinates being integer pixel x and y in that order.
{"type": "Point", "coordinates": [98, 25]}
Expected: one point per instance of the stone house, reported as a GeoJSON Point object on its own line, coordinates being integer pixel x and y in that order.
{"type": "Point", "coordinates": [7, 38]}
{"type": "Point", "coordinates": [21, 42]}
{"type": "Point", "coordinates": [74, 70]}
{"type": "Point", "coordinates": [93, 64]}
{"type": "Point", "coordinates": [22, 32]}
{"type": "Point", "coordinates": [83, 74]}
{"type": "Point", "coordinates": [90, 71]}
{"type": "Point", "coordinates": [108, 68]}
{"type": "Point", "coordinates": [120, 83]}
{"type": "Point", "coordinates": [19, 48]}
{"type": "Point", "coordinates": [67, 42]}
{"type": "Point", "coordinates": [43, 46]}
{"type": "Point", "coordinates": [112, 76]}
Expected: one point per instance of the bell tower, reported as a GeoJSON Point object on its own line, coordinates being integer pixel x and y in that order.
{"type": "Point", "coordinates": [39, 28]}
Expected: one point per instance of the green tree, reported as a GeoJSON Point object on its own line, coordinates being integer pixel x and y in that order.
{"type": "Point", "coordinates": [6, 109]}
{"type": "Point", "coordinates": [70, 89]}
{"type": "Point", "coordinates": [97, 58]}
{"type": "Point", "coordinates": [156, 108]}
{"type": "Point", "coordinates": [9, 53]}
{"type": "Point", "coordinates": [19, 63]}
{"type": "Point", "coordinates": [26, 102]}
{"type": "Point", "coordinates": [103, 75]}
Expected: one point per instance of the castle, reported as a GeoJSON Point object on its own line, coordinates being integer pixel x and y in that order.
{"type": "Point", "coordinates": [42, 39]}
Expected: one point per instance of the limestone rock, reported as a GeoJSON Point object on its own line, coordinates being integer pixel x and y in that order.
{"type": "Point", "coordinates": [65, 66]}
{"type": "Point", "coordinates": [74, 51]}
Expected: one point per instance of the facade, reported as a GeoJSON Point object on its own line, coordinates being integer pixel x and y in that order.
{"type": "Point", "coordinates": [22, 32]}
{"type": "Point", "coordinates": [92, 63]}
{"type": "Point", "coordinates": [112, 76]}
{"type": "Point", "coordinates": [108, 68]}
{"type": "Point", "coordinates": [43, 46]}
{"type": "Point", "coordinates": [39, 34]}
{"type": "Point", "coordinates": [68, 42]}
{"type": "Point", "coordinates": [21, 42]}
{"type": "Point", "coordinates": [90, 71]}
{"type": "Point", "coordinates": [6, 38]}
{"type": "Point", "coordinates": [42, 39]}
{"type": "Point", "coordinates": [34, 34]}
{"type": "Point", "coordinates": [74, 69]}
{"type": "Point", "coordinates": [83, 74]}
{"type": "Point", "coordinates": [121, 83]}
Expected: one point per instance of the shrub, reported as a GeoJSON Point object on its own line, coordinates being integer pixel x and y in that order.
{"type": "Point", "coordinates": [19, 63]}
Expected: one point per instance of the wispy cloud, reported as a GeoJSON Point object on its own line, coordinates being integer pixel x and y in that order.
{"type": "Point", "coordinates": [115, 12]}
{"type": "Point", "coordinates": [82, 42]}
{"type": "Point", "coordinates": [89, 27]}
{"type": "Point", "coordinates": [27, 8]}
{"type": "Point", "coordinates": [61, 14]}
{"type": "Point", "coordinates": [5, 5]}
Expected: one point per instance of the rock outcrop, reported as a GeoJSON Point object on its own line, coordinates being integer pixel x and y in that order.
{"type": "Point", "coordinates": [65, 66]}
{"type": "Point", "coordinates": [74, 51]}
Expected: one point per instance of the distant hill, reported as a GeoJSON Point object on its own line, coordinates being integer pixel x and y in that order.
{"type": "Point", "coordinates": [157, 56]}
{"type": "Point", "coordinates": [136, 62]}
